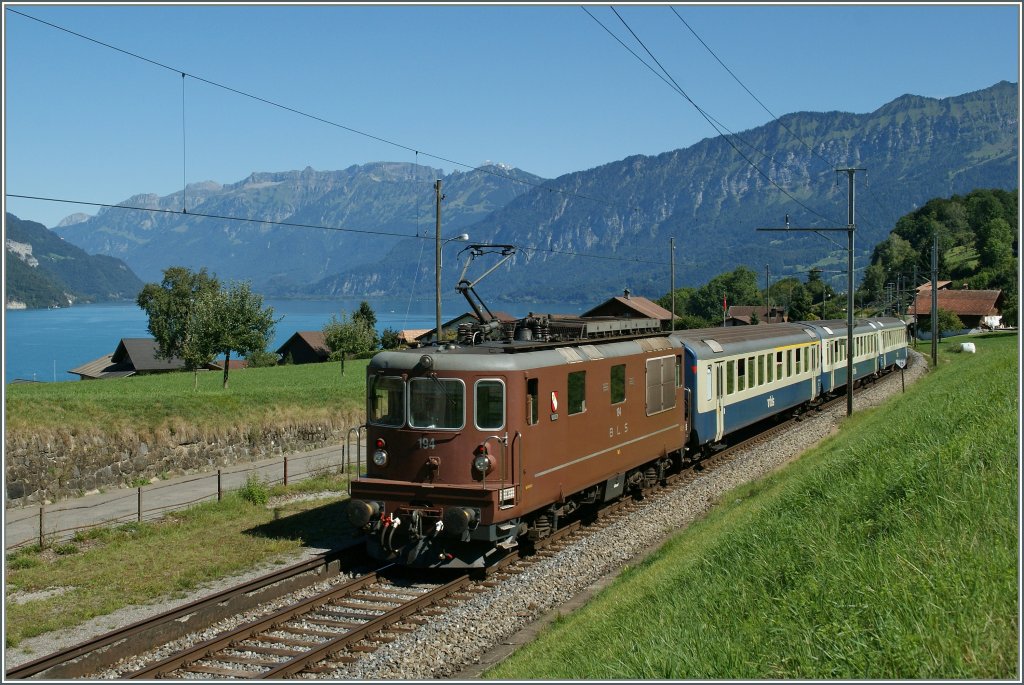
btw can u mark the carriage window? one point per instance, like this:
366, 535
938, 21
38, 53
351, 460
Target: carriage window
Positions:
532, 399
387, 400
761, 378
436, 403
770, 364
577, 392
778, 365
490, 404
741, 374
752, 382
618, 383
730, 374
807, 359
789, 363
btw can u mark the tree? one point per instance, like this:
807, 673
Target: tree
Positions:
236, 321
366, 314
348, 337
948, 322
389, 339
175, 317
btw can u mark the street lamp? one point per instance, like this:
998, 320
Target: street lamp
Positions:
462, 237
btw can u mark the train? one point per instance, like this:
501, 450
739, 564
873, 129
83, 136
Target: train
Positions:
488, 442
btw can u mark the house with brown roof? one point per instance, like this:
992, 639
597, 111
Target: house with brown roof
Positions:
976, 308
742, 315
305, 347
133, 356
631, 306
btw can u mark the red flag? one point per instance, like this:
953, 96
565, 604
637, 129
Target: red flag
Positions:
724, 307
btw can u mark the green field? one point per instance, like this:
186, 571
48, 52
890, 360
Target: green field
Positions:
888, 552
169, 402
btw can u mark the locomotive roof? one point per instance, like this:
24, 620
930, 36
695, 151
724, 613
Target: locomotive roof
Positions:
516, 356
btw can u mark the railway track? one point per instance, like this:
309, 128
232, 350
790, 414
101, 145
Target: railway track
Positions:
107, 649
322, 634
310, 636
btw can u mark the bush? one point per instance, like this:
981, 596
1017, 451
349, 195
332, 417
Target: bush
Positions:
262, 358
255, 491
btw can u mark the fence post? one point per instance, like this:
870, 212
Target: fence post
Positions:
218, 486
140, 504
40, 526
286, 471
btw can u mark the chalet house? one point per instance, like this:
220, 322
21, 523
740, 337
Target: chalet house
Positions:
410, 336
631, 306
133, 356
305, 347
741, 315
976, 308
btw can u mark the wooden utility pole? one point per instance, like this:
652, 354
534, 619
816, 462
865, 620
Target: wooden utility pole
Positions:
672, 285
437, 261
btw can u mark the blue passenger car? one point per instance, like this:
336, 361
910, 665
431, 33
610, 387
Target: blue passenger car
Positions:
737, 376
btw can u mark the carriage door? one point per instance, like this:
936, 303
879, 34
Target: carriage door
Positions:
719, 400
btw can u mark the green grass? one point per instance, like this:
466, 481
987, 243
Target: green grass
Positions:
169, 402
888, 552
105, 569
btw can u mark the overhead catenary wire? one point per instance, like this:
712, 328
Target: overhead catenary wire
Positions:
675, 86
471, 167
756, 99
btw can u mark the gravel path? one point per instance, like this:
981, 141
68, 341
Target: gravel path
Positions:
481, 631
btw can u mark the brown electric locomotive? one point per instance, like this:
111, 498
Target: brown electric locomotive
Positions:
475, 444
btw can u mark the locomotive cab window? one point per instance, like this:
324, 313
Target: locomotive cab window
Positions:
489, 404
387, 400
436, 403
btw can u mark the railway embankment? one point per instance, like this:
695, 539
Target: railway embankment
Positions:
65, 440
889, 551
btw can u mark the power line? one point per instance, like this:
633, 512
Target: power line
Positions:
706, 116
288, 224
319, 118
763, 106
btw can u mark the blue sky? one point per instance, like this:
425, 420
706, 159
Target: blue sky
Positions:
541, 87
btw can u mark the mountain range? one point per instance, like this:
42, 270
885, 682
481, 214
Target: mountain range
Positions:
44, 270
594, 231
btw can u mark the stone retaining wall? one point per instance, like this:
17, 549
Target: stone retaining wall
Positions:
48, 469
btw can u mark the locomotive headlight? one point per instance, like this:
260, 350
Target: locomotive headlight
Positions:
380, 458
482, 463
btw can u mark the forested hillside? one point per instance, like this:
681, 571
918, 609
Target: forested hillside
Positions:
977, 240
44, 270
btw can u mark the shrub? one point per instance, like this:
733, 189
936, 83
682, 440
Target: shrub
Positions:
255, 490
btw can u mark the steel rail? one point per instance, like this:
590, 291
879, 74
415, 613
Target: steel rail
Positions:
89, 656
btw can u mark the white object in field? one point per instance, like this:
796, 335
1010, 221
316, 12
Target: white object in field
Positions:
967, 347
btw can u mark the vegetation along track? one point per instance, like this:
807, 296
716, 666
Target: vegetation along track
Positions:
334, 628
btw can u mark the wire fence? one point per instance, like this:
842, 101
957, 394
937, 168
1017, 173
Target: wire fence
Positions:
48, 525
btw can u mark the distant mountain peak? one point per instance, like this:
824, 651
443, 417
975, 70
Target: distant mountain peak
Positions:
71, 219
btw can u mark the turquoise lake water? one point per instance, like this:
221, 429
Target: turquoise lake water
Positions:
43, 344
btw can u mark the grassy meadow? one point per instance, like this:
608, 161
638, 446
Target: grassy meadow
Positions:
890, 551
170, 402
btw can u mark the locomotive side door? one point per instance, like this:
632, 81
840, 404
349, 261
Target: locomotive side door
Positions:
719, 400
